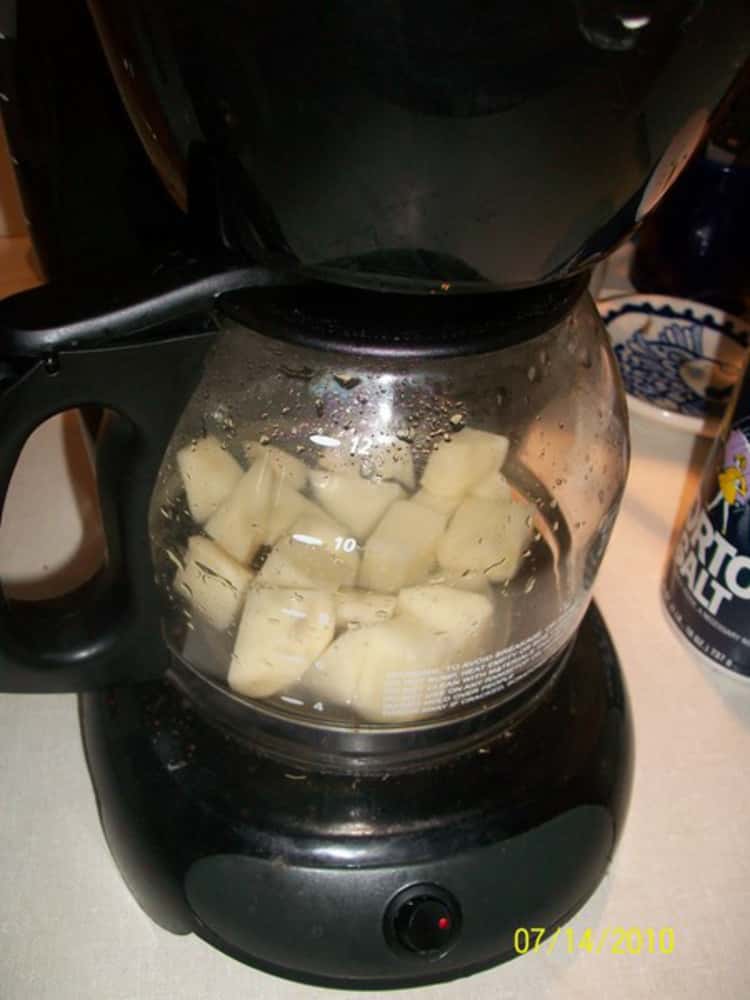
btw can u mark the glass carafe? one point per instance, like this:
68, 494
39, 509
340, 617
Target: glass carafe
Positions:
367, 534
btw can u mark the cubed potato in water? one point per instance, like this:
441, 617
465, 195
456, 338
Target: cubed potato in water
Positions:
486, 536
362, 607
477, 583
209, 474
443, 505
240, 524
213, 582
317, 552
464, 620
391, 672
402, 549
287, 506
380, 457
493, 487
288, 468
281, 632
456, 466
279, 571
389, 458
355, 502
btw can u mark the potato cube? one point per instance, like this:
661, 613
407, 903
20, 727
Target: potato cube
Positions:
391, 672
459, 464
240, 523
213, 582
477, 583
317, 553
357, 503
402, 549
493, 487
287, 506
463, 619
486, 536
280, 634
288, 468
380, 457
209, 474
391, 459
363, 607
443, 505
279, 571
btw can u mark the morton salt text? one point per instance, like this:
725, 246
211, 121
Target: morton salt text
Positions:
710, 566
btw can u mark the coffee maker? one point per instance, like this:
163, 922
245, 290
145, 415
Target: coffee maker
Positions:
348, 711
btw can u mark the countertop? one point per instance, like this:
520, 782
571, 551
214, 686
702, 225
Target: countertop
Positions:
70, 929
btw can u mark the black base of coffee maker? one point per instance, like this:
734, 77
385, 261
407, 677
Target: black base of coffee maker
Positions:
375, 879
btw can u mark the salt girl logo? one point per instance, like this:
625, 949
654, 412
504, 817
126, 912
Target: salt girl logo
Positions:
710, 556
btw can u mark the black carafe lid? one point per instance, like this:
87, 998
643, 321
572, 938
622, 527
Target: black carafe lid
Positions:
330, 317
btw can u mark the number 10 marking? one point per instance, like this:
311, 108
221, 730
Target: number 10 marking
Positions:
345, 544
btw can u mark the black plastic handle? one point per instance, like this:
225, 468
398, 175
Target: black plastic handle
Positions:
109, 630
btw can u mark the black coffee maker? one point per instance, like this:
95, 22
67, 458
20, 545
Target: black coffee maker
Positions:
347, 709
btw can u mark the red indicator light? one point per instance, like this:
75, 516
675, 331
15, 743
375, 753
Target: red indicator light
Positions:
443, 923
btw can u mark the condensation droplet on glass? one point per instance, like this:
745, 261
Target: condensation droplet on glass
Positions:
529, 585
170, 555
531, 373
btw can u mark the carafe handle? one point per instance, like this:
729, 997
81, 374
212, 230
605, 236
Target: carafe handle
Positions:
140, 361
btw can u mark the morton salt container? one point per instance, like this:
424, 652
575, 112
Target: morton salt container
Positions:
707, 587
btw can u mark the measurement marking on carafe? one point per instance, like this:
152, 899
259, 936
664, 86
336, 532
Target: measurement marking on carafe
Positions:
307, 539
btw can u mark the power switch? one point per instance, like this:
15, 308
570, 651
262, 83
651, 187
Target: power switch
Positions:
423, 920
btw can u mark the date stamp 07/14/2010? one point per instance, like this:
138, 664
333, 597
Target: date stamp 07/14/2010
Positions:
599, 941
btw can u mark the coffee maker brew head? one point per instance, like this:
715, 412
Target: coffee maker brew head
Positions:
451, 145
